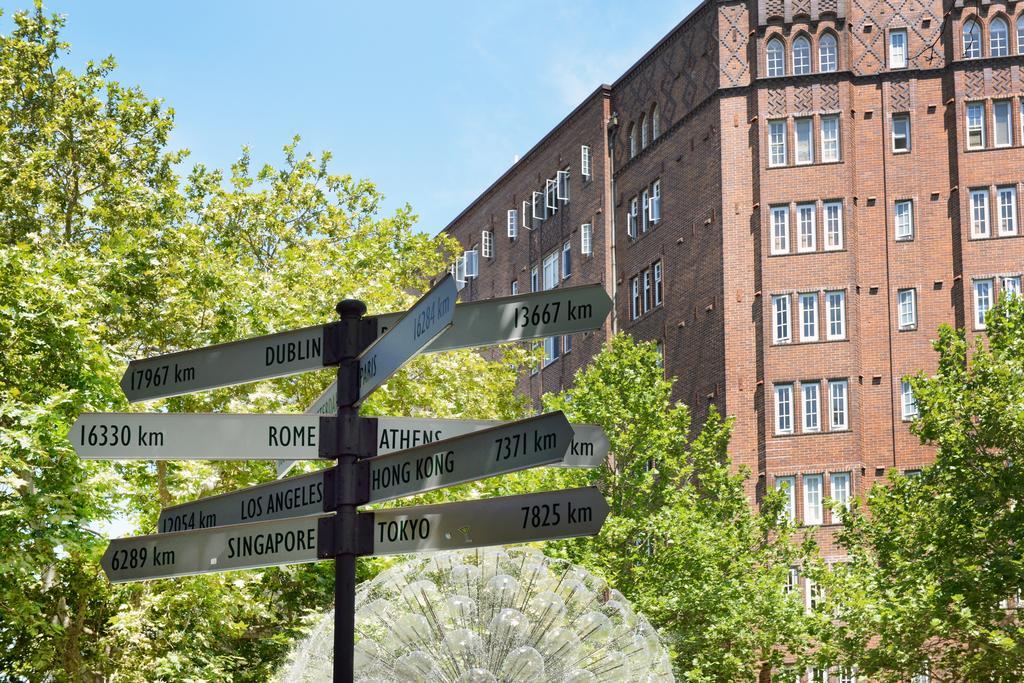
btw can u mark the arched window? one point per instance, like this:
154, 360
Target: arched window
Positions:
1020, 35
643, 131
776, 58
632, 141
998, 38
972, 39
827, 53
801, 56
655, 123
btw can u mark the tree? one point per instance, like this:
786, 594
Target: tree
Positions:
935, 571
681, 540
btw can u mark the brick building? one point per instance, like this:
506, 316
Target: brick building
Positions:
789, 196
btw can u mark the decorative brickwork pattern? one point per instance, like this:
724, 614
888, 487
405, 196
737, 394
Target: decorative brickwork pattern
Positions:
974, 83
777, 102
872, 20
899, 95
734, 45
803, 99
829, 97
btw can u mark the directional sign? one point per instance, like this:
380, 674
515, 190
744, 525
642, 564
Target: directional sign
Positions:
248, 360
325, 404
428, 318
494, 521
515, 446
243, 546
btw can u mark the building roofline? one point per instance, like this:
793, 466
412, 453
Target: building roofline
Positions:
601, 90
668, 36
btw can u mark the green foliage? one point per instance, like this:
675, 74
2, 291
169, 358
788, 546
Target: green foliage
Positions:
682, 541
936, 559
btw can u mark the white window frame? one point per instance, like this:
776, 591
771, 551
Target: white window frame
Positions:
813, 499
587, 239
552, 350
903, 217
830, 137
971, 39
1020, 36
537, 210
471, 259
655, 123
974, 121
781, 323
780, 229
775, 58
801, 56
809, 317
487, 244
458, 270
659, 292
811, 407
833, 212
566, 260
549, 270
980, 224
792, 576
804, 140
907, 308
585, 161
534, 279
806, 228
839, 405
645, 208
1006, 199
512, 224
514, 287
633, 217
1010, 285
839, 491
828, 53
983, 299
646, 275
551, 196
908, 404
562, 185
835, 307
778, 155
632, 141
815, 595
998, 38
901, 132
784, 409
1002, 109
634, 297
656, 201
789, 511
898, 41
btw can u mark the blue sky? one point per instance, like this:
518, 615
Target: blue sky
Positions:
430, 100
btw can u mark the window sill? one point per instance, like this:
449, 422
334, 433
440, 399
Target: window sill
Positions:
898, 152
993, 238
804, 165
900, 240
809, 342
910, 328
795, 435
805, 253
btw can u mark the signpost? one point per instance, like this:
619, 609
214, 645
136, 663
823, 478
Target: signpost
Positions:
315, 516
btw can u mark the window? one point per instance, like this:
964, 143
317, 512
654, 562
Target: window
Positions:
659, 347
792, 576
812, 423
585, 161
537, 210
566, 260
658, 291
776, 143
551, 270
827, 53
835, 302
921, 678
647, 290
815, 595
780, 230
1007, 210
632, 217
805, 227
840, 492
830, 138
979, 213
458, 270
634, 293
471, 259
788, 484
566, 343
900, 133
972, 39
1020, 35
512, 224
784, 409
645, 201
587, 239
809, 317
838, 414
552, 350
780, 316
655, 123
908, 308
526, 215
801, 56
551, 197
909, 405
998, 38
812, 499
632, 141
643, 131
776, 58
487, 244
833, 226
562, 186
975, 125
656, 201
514, 288
1011, 285
534, 280
982, 302
898, 49
816, 675
904, 220
1002, 117
804, 140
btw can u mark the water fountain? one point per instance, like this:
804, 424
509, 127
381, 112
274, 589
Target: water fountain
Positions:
489, 615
